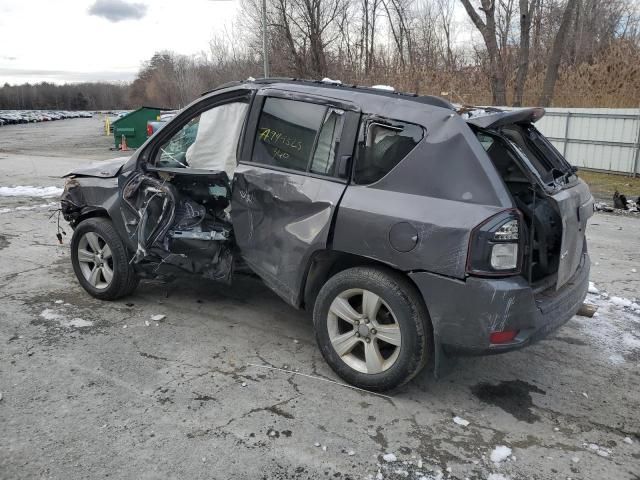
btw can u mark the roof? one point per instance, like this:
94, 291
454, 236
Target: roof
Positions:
340, 90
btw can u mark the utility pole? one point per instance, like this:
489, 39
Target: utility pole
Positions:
265, 54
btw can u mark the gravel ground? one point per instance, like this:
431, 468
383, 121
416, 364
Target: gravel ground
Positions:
218, 388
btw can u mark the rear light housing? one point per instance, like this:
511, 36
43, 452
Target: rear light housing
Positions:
496, 245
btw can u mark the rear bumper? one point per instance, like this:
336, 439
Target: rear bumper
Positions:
465, 313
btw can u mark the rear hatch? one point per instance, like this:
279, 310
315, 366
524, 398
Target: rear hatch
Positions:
557, 180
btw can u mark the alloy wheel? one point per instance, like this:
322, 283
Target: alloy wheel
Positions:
95, 260
364, 331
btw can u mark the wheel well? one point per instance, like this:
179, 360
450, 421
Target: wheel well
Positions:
91, 212
326, 263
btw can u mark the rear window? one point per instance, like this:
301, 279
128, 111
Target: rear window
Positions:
530, 144
382, 148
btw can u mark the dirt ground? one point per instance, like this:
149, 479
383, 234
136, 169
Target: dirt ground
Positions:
603, 185
230, 383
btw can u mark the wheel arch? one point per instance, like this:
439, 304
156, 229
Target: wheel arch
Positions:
324, 264
91, 212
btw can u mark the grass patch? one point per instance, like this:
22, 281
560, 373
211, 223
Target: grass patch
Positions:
603, 185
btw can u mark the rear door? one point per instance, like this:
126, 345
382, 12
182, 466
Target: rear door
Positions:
287, 186
570, 194
575, 205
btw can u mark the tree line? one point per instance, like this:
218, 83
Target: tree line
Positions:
80, 96
501, 52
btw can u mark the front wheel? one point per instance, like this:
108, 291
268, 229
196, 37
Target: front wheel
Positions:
372, 328
100, 260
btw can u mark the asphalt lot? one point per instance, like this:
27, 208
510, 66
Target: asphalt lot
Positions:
215, 389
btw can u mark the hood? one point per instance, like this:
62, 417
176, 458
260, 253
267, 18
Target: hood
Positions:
102, 169
493, 117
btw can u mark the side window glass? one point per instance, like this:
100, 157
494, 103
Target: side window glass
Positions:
208, 141
384, 145
328, 143
486, 140
173, 152
286, 133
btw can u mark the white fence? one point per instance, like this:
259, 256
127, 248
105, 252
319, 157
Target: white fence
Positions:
596, 138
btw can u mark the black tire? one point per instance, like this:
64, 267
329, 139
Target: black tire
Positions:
124, 280
409, 313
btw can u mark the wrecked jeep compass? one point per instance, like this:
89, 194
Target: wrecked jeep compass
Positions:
410, 229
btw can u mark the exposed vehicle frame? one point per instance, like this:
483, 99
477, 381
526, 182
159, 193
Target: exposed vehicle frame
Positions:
466, 236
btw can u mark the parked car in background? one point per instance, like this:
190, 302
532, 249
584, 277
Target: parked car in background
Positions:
154, 125
409, 231
12, 117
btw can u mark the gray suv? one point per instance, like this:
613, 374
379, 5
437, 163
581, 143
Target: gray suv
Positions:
411, 229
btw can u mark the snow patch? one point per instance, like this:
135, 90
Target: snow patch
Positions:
29, 191
500, 454
52, 315
389, 457
5, 210
621, 301
612, 332
333, 82
76, 323
387, 88
460, 421
157, 318
49, 314
497, 476
616, 359
592, 288
601, 451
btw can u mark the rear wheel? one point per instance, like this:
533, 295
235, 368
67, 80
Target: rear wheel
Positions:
100, 260
372, 328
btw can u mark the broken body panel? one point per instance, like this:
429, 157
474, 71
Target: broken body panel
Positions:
418, 218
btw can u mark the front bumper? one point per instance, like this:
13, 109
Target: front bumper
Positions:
465, 313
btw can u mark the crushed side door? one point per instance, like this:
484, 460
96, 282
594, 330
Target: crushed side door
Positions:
177, 199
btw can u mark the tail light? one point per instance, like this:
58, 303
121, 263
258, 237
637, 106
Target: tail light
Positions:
495, 247
149, 130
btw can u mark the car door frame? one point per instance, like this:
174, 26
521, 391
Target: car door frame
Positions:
294, 292
149, 150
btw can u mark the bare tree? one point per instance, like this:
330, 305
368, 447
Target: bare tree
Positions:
487, 28
444, 14
556, 55
527, 10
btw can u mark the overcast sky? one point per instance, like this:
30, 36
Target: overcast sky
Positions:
78, 40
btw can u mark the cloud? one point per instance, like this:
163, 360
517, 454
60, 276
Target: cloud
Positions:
118, 10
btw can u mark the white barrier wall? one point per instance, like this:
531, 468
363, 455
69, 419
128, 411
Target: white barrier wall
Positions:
598, 138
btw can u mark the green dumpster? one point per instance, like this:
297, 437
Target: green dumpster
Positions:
134, 126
